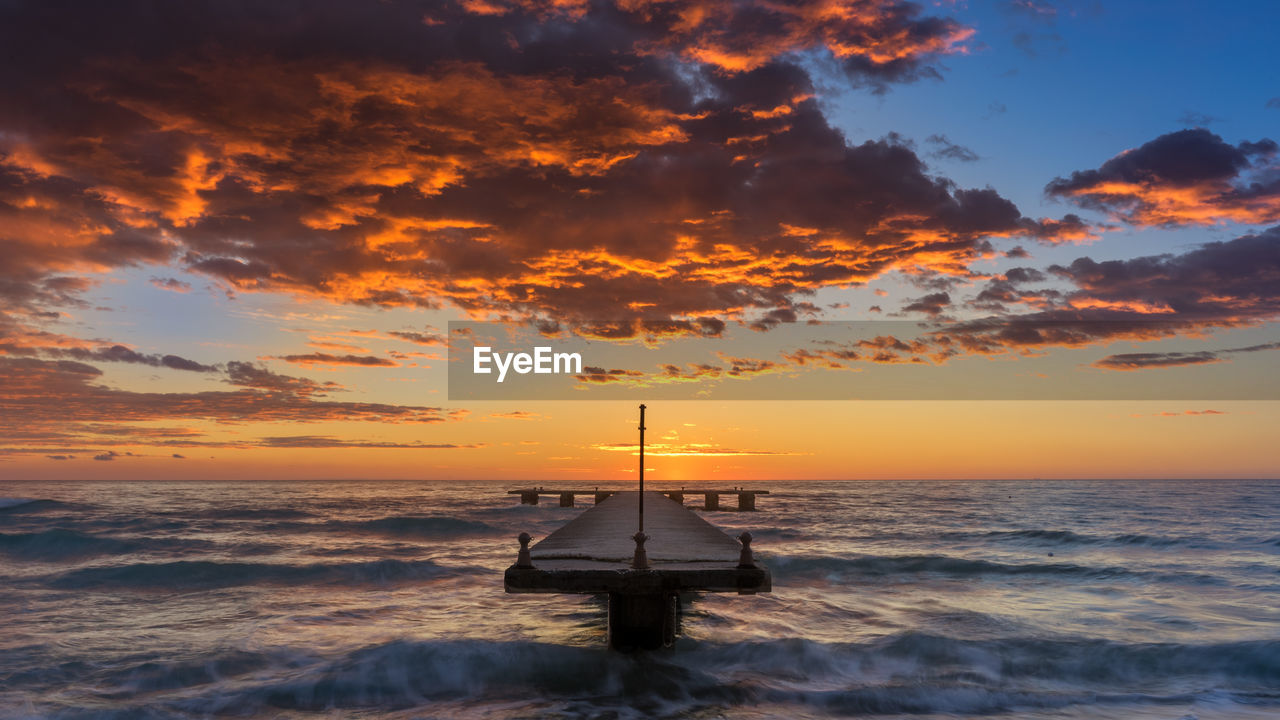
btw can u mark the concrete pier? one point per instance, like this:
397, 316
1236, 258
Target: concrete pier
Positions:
594, 552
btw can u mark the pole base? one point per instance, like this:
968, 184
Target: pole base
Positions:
642, 621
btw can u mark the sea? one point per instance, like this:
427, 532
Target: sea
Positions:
891, 599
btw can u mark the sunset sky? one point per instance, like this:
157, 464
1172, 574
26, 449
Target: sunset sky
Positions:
233, 234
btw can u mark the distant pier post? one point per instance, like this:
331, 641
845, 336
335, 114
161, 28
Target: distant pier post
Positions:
746, 501
711, 501
529, 498
566, 499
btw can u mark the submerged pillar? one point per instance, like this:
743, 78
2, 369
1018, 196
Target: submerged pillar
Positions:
566, 499
642, 621
746, 501
529, 497
711, 501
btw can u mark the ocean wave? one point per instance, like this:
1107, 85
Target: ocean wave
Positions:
248, 513
1068, 537
13, 506
907, 673
203, 574
905, 565
404, 674
421, 526
62, 544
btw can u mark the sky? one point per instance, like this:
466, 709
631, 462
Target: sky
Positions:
234, 235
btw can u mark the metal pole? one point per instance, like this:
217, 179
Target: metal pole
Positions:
642, 468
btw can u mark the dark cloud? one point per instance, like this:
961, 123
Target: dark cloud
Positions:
421, 338
663, 160
1141, 361
1228, 281
1189, 177
1000, 293
172, 284
1070, 229
932, 304
1217, 285
116, 353
43, 395
328, 359
249, 375
946, 150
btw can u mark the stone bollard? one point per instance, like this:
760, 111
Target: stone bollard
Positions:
746, 560
641, 559
523, 561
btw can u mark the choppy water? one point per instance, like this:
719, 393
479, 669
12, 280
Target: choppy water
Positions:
384, 600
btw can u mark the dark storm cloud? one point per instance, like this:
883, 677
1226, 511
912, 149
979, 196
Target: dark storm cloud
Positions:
651, 160
1189, 177
1235, 279
1217, 285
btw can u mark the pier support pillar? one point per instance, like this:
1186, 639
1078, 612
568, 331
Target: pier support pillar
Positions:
746, 501
677, 496
711, 502
529, 498
642, 621
566, 499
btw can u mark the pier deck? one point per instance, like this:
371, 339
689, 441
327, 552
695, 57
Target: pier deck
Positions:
593, 554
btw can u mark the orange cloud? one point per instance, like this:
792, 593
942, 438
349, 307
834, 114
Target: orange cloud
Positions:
1190, 177
418, 171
